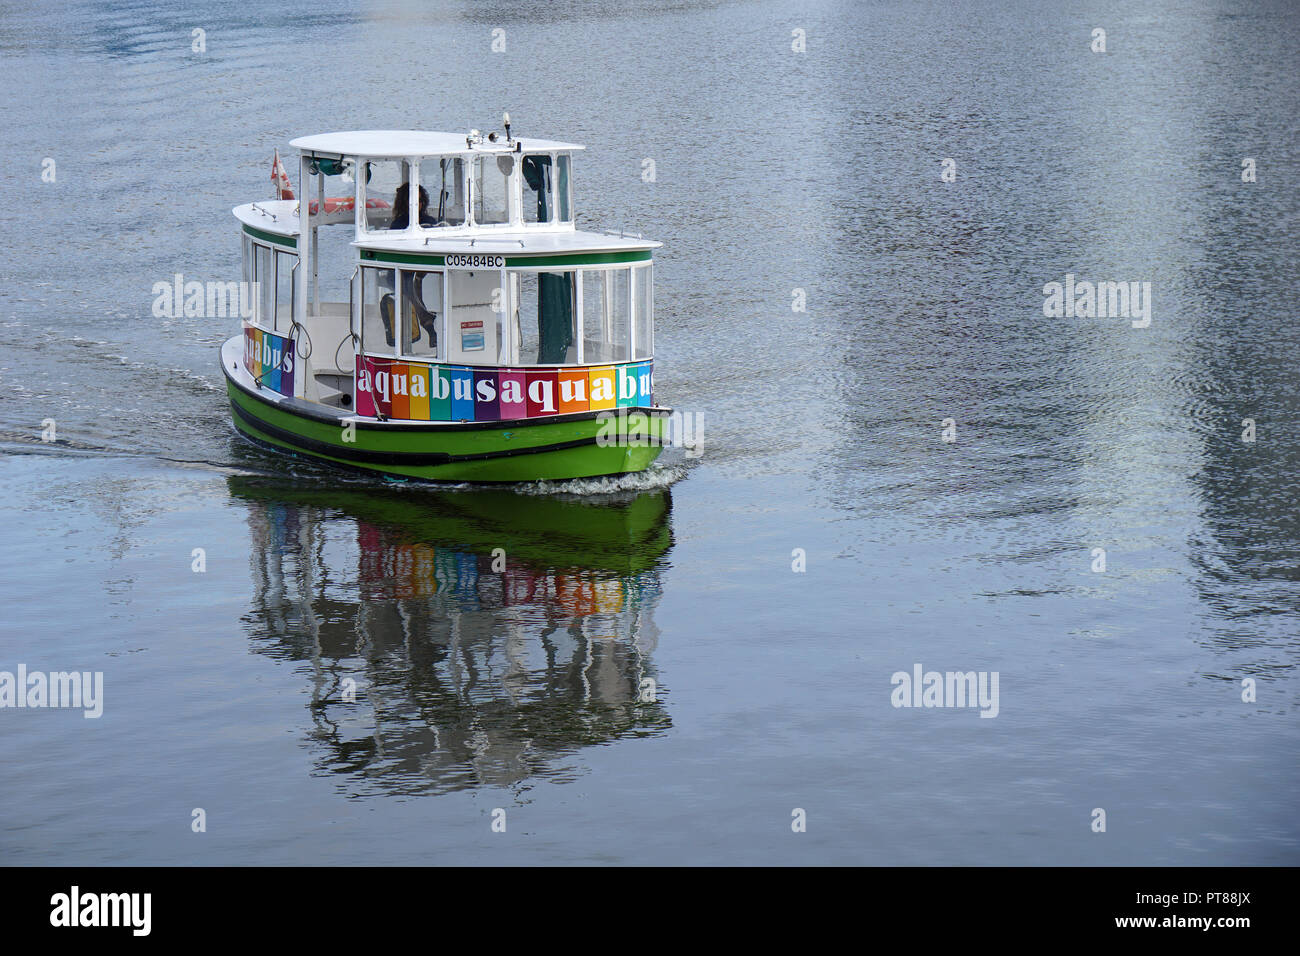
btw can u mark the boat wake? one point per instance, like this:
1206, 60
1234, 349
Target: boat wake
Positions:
657, 476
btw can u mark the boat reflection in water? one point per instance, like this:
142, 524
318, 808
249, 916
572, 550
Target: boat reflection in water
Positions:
459, 639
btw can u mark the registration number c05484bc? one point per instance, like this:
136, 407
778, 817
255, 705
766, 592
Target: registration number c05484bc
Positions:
474, 261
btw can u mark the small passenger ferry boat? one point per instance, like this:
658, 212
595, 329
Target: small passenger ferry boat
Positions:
462, 329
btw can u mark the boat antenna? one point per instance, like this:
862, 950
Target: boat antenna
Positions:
505, 118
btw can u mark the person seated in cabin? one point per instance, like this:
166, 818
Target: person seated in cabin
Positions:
422, 315
402, 208
411, 282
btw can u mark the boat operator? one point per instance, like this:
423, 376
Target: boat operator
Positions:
411, 281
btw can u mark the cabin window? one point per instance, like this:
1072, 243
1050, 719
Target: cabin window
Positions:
643, 312
388, 205
475, 326
335, 182
284, 262
444, 180
378, 308
491, 188
606, 315
544, 318
564, 206
265, 285
247, 275
422, 332
539, 188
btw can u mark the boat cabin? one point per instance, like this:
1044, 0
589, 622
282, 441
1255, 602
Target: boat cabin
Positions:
438, 277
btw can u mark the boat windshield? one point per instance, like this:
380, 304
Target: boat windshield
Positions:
546, 188
444, 180
335, 182
492, 188
387, 202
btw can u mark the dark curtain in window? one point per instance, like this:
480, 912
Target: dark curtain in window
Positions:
537, 173
554, 316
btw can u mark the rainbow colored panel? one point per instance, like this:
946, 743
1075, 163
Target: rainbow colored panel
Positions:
462, 394
602, 388
365, 398
400, 386
542, 394
573, 385
487, 405
512, 394
269, 358
375, 386
418, 383
440, 393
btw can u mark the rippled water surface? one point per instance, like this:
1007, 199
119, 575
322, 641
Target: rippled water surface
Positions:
355, 678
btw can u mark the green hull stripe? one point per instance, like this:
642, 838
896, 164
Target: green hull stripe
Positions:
518, 262
402, 457
430, 260
579, 259
289, 241
504, 472
587, 461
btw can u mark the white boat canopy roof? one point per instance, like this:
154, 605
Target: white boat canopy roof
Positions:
400, 144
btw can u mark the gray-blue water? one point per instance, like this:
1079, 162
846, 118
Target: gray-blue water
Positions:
353, 680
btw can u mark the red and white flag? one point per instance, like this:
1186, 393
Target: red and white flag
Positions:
283, 190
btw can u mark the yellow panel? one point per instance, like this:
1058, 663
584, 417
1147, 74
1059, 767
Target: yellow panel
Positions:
602, 388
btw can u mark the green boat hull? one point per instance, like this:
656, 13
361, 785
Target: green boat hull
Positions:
551, 449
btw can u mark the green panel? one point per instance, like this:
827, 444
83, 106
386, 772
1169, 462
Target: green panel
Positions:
371, 255
439, 393
578, 259
271, 237
517, 262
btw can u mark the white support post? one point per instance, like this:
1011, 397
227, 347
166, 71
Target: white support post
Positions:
471, 189
315, 245
631, 304
650, 310
553, 200
506, 345
399, 312
515, 191
578, 275
295, 291
306, 254
444, 324
356, 315
413, 177
359, 186
607, 299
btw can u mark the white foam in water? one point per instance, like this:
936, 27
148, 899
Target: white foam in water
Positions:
655, 477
